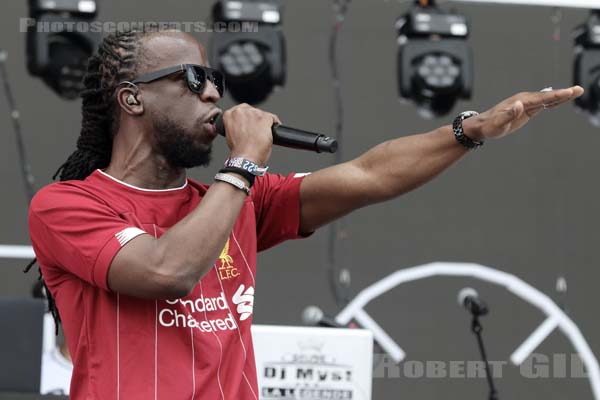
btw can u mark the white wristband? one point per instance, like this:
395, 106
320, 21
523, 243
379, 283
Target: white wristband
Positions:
232, 180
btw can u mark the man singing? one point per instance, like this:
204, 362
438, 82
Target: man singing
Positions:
154, 273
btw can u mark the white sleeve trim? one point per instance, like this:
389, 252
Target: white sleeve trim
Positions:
301, 174
127, 234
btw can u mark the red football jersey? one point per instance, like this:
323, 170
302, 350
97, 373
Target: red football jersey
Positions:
196, 347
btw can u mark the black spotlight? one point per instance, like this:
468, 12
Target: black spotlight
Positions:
435, 65
587, 66
249, 48
60, 39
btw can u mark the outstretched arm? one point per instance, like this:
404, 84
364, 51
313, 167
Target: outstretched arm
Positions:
398, 166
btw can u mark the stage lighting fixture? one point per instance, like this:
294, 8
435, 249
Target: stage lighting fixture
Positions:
435, 65
587, 66
250, 49
59, 42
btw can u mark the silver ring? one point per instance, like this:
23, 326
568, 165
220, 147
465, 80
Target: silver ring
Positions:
545, 106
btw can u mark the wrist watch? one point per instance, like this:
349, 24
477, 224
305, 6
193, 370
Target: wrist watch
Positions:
247, 165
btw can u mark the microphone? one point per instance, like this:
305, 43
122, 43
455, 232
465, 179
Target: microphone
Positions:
313, 315
293, 138
469, 299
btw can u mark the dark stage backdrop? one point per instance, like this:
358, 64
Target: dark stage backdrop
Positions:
528, 204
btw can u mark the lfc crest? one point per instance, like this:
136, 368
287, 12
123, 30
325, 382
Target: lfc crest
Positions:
227, 270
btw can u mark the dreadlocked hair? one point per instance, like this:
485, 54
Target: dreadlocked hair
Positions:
117, 60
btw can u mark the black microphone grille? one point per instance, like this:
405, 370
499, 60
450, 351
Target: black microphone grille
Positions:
464, 293
312, 315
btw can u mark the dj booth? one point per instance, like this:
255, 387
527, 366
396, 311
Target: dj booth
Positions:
313, 363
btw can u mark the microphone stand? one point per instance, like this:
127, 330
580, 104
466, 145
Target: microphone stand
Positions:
339, 277
476, 328
27, 176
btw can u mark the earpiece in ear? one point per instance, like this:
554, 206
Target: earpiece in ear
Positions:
131, 100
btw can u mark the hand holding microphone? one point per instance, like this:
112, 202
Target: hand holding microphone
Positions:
284, 135
248, 129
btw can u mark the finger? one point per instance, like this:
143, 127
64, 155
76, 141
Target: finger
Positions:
243, 105
533, 101
553, 97
276, 119
550, 106
577, 91
536, 100
532, 112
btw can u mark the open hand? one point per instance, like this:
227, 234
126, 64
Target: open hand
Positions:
514, 112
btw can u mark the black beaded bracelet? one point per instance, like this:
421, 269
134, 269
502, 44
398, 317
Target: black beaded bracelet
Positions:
459, 133
240, 171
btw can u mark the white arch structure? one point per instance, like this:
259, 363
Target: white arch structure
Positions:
555, 317
589, 4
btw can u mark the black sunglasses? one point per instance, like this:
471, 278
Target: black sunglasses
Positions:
195, 75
